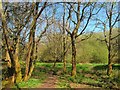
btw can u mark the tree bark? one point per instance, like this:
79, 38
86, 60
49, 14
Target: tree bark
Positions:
32, 58
73, 55
64, 60
11, 70
64, 43
28, 57
64, 54
109, 71
31, 47
18, 74
27, 63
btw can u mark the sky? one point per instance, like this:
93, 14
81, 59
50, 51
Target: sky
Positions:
91, 26
101, 15
59, 14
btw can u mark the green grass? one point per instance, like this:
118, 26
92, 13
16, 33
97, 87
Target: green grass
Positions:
89, 74
38, 76
31, 83
63, 83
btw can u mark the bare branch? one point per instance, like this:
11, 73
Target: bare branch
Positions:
83, 10
85, 26
115, 36
88, 36
116, 20
45, 4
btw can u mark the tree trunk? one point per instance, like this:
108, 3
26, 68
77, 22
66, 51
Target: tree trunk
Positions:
64, 58
11, 70
30, 53
109, 71
32, 58
64, 43
31, 45
73, 55
54, 64
18, 74
28, 61
36, 51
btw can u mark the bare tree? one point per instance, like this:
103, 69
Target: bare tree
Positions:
108, 27
64, 42
82, 12
12, 25
31, 44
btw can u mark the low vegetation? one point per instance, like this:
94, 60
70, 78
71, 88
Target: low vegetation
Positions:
93, 75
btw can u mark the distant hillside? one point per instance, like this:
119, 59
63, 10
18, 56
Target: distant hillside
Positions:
91, 50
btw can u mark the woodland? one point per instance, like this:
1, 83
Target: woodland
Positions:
59, 45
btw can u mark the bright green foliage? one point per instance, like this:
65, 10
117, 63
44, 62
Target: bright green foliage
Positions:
31, 83
89, 74
92, 50
88, 51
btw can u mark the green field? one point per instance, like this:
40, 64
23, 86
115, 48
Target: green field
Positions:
93, 75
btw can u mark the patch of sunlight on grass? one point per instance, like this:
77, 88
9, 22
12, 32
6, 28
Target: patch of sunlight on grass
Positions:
31, 83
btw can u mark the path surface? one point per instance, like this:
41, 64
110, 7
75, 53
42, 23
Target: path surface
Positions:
50, 82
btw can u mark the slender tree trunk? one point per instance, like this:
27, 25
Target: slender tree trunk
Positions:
31, 45
64, 58
28, 56
64, 43
55, 58
109, 71
54, 64
18, 74
32, 58
36, 51
30, 53
73, 56
64, 63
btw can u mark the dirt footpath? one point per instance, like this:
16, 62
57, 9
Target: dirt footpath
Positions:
50, 82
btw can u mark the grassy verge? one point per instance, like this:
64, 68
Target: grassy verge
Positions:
87, 74
38, 76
